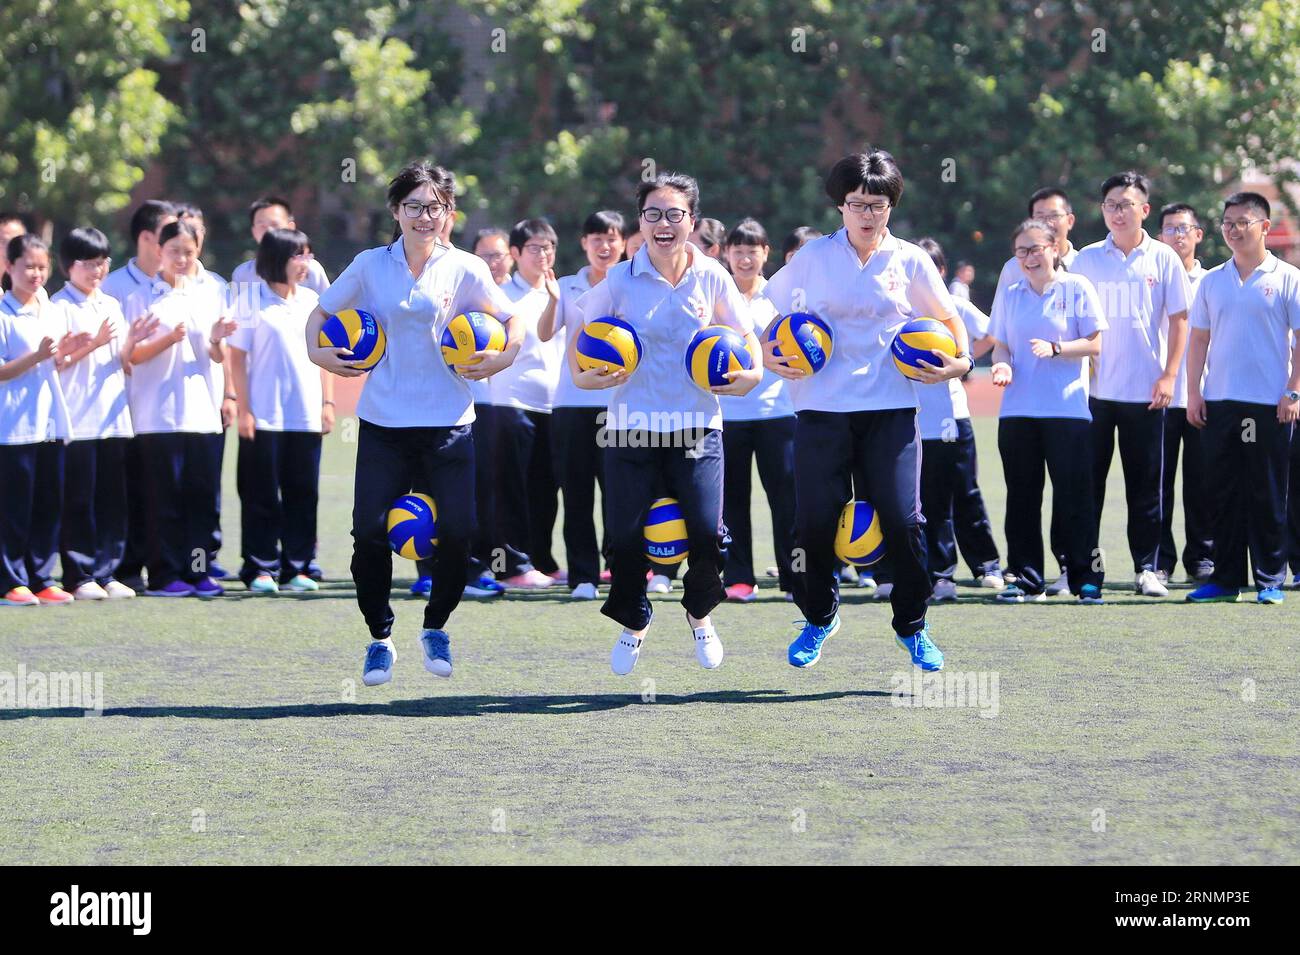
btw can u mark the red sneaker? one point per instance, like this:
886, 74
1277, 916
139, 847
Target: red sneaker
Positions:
741, 593
21, 597
54, 595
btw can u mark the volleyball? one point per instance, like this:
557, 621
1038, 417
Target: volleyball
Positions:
805, 339
916, 340
471, 332
665, 532
859, 540
713, 352
413, 526
609, 343
357, 331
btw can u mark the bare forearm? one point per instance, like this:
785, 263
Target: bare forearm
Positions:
1177, 344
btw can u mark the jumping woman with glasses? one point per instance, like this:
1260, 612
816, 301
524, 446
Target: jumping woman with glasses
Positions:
1045, 326
415, 411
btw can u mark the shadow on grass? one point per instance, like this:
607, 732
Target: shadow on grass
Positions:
449, 706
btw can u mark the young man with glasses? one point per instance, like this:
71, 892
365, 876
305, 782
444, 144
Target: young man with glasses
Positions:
526, 491
1181, 230
1145, 295
1246, 341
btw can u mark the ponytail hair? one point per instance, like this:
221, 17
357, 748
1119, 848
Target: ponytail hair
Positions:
19, 246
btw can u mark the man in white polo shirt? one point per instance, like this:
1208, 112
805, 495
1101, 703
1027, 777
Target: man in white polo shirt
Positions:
1181, 230
1244, 324
1144, 292
264, 214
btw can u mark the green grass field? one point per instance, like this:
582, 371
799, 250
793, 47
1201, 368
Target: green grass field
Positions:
237, 731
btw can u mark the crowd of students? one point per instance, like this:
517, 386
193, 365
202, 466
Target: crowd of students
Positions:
117, 390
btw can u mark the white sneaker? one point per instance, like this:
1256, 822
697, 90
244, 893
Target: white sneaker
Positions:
1012, 594
378, 668
90, 590
867, 582
883, 591
1149, 585
992, 581
708, 648
1061, 586
583, 592
625, 653
436, 646
116, 590
944, 590
659, 584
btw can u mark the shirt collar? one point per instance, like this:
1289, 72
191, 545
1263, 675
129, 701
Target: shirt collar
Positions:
137, 274
888, 243
11, 305
1142, 246
397, 249
77, 296
641, 264
519, 282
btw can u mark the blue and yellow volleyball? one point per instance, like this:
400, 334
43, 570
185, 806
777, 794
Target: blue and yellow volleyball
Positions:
916, 342
413, 526
357, 331
471, 332
609, 343
858, 539
713, 352
805, 339
665, 532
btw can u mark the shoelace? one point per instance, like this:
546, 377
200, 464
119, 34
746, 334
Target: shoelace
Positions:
373, 658
439, 644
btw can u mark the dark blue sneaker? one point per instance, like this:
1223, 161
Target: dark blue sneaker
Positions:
922, 651
217, 572
177, 588
207, 587
422, 587
1212, 594
437, 652
1090, 594
485, 586
1270, 595
378, 667
807, 647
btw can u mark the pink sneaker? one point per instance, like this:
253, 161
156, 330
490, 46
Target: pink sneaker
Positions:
606, 577
532, 580
741, 593
560, 576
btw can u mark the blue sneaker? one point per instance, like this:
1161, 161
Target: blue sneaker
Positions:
378, 667
922, 650
1211, 594
1090, 594
485, 586
1270, 595
807, 647
422, 587
437, 652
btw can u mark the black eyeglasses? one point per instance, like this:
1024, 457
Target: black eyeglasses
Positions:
651, 214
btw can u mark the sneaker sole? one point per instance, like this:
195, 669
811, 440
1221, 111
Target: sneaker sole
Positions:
428, 665
1214, 600
386, 676
163, 593
15, 603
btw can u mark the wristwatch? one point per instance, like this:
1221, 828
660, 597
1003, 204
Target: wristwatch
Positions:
969, 359
1056, 349
1292, 395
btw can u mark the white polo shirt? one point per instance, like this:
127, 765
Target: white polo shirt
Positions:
179, 389
412, 387
530, 381
865, 306
769, 399
940, 405
1012, 272
959, 290
246, 273
1180, 384
568, 322
95, 387
659, 395
1250, 325
122, 283
32, 406
284, 387
1047, 387
1138, 293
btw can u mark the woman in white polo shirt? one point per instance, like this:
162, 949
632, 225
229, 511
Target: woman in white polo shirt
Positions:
857, 416
415, 411
34, 425
176, 380
93, 541
285, 405
1045, 327
662, 430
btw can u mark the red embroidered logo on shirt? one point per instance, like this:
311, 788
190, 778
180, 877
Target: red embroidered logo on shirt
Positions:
700, 311
1151, 281
446, 301
1267, 290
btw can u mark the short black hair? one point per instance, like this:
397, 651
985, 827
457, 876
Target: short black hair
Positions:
961, 264
491, 232
606, 220
1129, 179
526, 229
747, 232
712, 231
188, 210
266, 202
180, 227
1174, 208
798, 238
873, 171
935, 251
1251, 200
679, 181
8, 216
82, 245
1048, 192
275, 250
147, 215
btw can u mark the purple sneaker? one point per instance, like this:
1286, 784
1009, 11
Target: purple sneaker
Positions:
177, 588
207, 587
